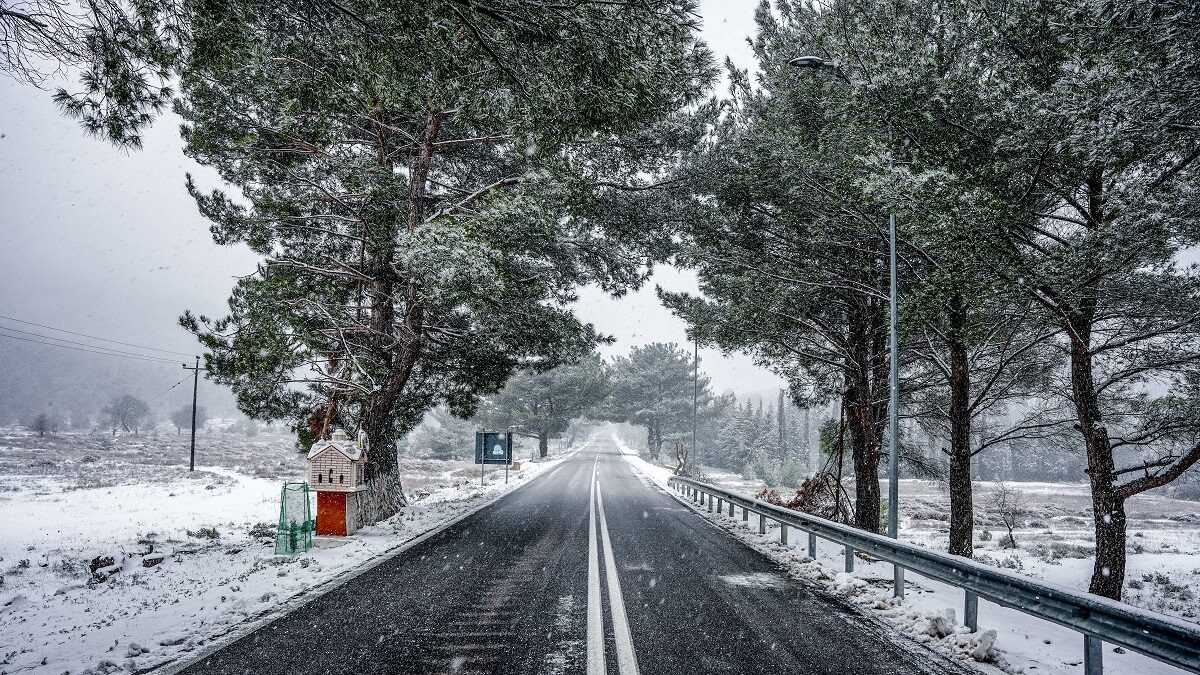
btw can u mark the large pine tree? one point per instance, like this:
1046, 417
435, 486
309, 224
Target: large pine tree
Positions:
428, 184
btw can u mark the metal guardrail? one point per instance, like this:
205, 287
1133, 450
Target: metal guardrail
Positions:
1099, 619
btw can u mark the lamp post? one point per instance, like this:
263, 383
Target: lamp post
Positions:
818, 63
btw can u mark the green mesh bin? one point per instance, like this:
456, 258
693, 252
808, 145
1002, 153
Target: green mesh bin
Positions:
295, 531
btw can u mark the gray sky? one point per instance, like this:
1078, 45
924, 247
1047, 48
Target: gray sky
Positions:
107, 243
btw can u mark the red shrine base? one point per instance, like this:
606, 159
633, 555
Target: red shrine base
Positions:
337, 513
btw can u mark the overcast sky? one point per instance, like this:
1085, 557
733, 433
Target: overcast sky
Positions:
101, 242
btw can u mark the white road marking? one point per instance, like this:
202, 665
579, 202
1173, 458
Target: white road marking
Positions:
626, 658
595, 615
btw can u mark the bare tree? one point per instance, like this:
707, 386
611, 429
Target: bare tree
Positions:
128, 413
41, 424
1009, 504
182, 418
681, 456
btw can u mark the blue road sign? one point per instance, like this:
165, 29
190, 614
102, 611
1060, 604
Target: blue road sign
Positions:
493, 447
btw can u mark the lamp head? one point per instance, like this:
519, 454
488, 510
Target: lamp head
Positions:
813, 62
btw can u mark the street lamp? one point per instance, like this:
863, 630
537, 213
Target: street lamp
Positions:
812, 62
817, 63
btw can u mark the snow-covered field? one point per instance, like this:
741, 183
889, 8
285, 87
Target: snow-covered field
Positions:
1054, 544
192, 554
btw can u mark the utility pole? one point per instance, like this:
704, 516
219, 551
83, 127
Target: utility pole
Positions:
894, 386
195, 390
695, 400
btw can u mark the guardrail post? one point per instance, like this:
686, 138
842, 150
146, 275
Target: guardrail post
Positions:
812, 545
745, 515
702, 497
710, 504
730, 509
849, 559
897, 581
1093, 656
971, 612
783, 533
762, 523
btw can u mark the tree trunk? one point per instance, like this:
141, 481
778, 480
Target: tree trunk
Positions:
962, 511
864, 440
384, 495
656, 450
1108, 507
543, 444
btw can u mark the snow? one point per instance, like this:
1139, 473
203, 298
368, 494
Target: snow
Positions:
348, 448
1008, 640
56, 617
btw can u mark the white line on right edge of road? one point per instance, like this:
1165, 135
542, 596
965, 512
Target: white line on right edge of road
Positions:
626, 657
595, 616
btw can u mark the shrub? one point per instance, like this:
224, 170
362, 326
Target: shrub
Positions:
205, 533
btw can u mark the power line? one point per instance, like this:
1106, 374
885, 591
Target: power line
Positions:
92, 337
84, 344
152, 359
169, 389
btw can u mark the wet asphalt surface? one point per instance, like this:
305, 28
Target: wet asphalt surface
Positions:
506, 591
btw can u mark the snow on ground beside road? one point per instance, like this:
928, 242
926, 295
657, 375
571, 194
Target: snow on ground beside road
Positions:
931, 611
56, 618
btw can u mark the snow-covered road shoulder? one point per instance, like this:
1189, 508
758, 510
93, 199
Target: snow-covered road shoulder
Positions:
179, 565
1008, 641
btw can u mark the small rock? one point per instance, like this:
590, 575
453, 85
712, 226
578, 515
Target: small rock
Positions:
152, 560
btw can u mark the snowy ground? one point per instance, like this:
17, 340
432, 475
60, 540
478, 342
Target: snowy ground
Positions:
1054, 545
67, 500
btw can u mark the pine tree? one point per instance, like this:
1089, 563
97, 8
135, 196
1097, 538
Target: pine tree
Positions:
125, 54
653, 388
428, 186
1049, 118
543, 405
787, 245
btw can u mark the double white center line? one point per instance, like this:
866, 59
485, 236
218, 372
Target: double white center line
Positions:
626, 658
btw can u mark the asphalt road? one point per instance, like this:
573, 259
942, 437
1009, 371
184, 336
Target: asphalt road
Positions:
573, 575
